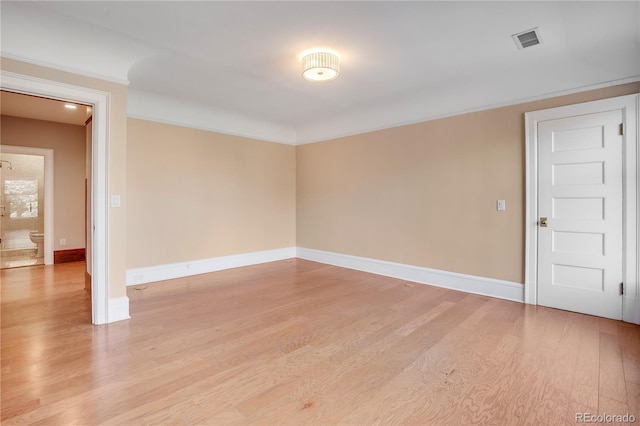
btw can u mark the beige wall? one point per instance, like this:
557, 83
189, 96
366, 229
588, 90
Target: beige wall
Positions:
425, 194
68, 144
195, 194
117, 159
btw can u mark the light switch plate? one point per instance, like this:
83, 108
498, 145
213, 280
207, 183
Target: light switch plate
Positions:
501, 205
115, 200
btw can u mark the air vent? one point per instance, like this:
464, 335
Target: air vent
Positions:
527, 38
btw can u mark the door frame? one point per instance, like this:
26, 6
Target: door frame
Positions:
100, 101
630, 107
48, 192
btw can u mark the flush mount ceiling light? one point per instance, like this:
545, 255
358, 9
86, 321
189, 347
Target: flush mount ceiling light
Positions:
320, 65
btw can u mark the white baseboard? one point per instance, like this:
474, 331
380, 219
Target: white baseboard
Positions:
118, 309
196, 267
508, 290
468, 283
631, 309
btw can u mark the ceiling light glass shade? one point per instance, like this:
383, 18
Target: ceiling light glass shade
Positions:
320, 66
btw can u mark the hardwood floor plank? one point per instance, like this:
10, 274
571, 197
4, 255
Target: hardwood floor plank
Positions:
630, 347
360, 341
444, 366
633, 393
612, 381
611, 407
585, 386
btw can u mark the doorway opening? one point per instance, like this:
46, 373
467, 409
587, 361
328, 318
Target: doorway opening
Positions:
26, 200
99, 101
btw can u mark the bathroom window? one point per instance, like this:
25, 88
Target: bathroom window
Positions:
22, 198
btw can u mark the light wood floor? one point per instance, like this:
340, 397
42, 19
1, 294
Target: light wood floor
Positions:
297, 342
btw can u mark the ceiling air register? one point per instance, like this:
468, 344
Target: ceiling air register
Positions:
527, 38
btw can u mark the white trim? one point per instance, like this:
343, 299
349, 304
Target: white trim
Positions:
162, 109
452, 280
631, 187
144, 106
382, 117
531, 209
100, 209
631, 299
631, 309
170, 271
100, 170
119, 309
58, 67
156, 108
206, 126
49, 229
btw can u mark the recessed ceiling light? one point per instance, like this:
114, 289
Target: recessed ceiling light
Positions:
70, 106
320, 65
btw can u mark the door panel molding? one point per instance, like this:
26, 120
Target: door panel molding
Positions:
629, 105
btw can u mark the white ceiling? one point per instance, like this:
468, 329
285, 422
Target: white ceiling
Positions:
234, 66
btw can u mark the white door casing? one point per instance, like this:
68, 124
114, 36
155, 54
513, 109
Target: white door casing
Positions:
590, 197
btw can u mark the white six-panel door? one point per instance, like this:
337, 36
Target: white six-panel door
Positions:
580, 246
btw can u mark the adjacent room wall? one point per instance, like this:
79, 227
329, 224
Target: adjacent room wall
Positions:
195, 194
68, 144
425, 194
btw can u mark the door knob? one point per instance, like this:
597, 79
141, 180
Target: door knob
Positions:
543, 222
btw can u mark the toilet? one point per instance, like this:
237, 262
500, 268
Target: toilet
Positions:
38, 238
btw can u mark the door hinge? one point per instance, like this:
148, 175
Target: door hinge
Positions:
621, 129
621, 288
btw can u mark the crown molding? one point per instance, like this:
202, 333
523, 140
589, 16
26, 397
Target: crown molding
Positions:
387, 117
163, 109
59, 67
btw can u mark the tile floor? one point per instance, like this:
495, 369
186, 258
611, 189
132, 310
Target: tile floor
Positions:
16, 258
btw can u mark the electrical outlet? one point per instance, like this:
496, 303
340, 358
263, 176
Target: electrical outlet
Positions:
63, 242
